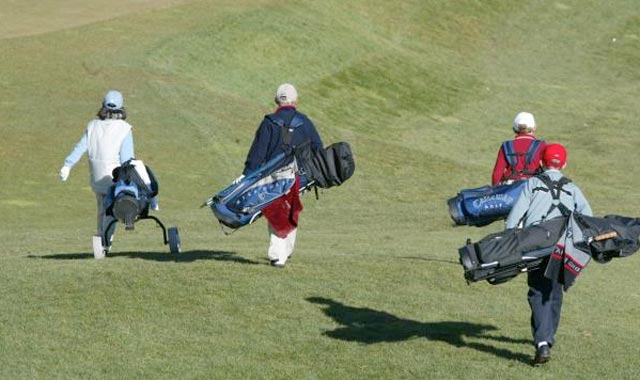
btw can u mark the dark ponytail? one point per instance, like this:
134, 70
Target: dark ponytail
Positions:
106, 113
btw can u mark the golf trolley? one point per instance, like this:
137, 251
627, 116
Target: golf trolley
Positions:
128, 202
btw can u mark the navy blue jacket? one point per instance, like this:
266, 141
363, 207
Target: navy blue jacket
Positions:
268, 141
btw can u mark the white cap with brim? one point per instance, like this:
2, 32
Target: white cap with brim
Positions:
286, 94
524, 122
113, 100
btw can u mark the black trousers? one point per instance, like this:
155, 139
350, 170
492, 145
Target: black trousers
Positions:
545, 300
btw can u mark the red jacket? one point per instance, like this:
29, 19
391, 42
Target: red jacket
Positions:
502, 170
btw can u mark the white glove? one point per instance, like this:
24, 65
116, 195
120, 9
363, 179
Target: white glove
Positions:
64, 172
237, 180
154, 204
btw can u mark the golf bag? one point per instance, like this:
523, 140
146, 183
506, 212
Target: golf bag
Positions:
128, 201
484, 205
501, 256
242, 203
130, 195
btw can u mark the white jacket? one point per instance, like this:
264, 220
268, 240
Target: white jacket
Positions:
104, 139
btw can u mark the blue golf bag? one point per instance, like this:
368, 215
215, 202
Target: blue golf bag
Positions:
484, 205
129, 198
241, 203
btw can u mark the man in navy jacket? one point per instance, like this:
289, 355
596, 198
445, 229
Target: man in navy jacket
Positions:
281, 132
269, 139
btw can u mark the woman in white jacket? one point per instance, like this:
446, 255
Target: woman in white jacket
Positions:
108, 142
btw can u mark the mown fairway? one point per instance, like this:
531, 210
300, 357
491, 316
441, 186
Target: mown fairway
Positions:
423, 90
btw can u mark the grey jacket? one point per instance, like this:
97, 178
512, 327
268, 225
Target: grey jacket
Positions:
532, 207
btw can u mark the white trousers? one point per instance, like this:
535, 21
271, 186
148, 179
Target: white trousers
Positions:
103, 219
281, 248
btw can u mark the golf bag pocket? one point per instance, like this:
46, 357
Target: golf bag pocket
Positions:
326, 167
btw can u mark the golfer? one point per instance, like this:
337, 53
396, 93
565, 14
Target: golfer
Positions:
519, 158
537, 203
281, 132
108, 142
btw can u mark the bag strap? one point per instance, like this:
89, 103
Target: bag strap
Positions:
286, 129
555, 188
512, 157
510, 154
531, 152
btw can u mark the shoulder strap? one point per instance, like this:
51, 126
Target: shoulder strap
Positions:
510, 154
512, 157
531, 152
286, 129
555, 188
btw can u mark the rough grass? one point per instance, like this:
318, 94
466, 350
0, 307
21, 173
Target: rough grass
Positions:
424, 90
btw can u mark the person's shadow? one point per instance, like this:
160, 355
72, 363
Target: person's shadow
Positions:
187, 256
369, 326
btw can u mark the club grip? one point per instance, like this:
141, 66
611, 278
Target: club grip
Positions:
605, 236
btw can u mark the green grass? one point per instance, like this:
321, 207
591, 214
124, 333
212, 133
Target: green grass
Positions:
423, 90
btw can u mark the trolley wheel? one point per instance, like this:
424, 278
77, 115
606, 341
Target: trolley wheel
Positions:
174, 239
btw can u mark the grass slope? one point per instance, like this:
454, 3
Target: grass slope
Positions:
424, 90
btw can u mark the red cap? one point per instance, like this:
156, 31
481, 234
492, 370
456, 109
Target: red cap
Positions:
554, 156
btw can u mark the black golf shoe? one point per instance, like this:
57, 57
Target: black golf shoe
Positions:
543, 354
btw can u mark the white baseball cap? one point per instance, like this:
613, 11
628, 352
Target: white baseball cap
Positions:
286, 94
524, 122
113, 100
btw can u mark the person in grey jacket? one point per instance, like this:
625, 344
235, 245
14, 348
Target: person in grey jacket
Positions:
544, 197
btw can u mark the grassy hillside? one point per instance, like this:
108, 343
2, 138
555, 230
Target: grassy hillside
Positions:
423, 90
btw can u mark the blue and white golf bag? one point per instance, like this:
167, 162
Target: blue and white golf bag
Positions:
241, 203
484, 205
130, 195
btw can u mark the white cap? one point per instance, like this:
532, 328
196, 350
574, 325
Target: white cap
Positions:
113, 100
524, 122
286, 94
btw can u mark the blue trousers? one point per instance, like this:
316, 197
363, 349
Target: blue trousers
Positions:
545, 300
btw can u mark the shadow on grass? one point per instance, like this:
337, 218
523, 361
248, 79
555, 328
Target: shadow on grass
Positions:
370, 326
187, 256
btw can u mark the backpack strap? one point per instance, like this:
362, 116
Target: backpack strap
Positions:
512, 157
555, 188
510, 154
286, 128
531, 152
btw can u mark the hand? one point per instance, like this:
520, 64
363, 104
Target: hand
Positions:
64, 172
237, 180
154, 204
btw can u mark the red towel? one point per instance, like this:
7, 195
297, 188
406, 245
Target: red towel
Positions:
282, 214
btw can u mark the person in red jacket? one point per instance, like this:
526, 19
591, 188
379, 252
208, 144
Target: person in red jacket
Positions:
519, 158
